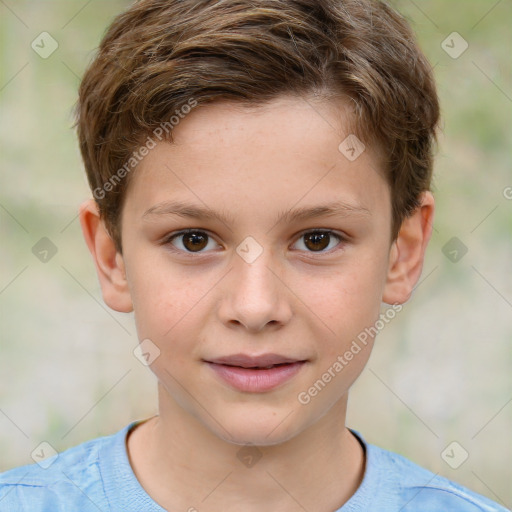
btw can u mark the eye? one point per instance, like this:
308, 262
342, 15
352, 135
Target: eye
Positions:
317, 240
193, 240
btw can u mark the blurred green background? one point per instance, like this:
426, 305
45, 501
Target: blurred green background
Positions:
440, 372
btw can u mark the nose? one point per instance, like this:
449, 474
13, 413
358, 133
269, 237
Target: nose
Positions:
255, 296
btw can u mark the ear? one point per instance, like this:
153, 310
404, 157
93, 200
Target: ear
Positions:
408, 252
109, 263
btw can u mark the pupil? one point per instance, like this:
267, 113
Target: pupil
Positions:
198, 241
322, 238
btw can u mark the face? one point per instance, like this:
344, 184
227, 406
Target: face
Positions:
254, 284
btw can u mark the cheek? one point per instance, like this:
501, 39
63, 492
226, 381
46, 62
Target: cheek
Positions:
347, 299
163, 292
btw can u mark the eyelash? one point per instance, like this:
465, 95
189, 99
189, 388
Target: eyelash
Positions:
167, 241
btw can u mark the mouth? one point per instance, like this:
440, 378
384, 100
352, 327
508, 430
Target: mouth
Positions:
262, 361
255, 374
259, 367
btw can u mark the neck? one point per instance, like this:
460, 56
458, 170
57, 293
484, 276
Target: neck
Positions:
182, 465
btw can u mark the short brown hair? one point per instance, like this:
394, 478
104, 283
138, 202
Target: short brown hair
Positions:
159, 54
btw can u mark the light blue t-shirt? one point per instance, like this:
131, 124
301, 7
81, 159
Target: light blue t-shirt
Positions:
96, 476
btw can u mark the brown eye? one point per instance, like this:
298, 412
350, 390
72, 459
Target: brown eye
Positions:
318, 241
195, 241
191, 241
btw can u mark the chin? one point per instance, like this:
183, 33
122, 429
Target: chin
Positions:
253, 437
257, 428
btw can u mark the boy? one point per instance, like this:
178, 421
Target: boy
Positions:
260, 172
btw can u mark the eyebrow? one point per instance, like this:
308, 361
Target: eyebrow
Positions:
189, 210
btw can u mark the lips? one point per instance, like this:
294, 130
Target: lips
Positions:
256, 362
255, 374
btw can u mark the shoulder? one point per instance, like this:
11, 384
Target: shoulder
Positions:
71, 478
401, 484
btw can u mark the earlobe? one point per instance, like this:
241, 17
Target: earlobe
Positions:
407, 252
109, 263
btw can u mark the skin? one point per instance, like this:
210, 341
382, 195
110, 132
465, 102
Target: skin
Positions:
297, 299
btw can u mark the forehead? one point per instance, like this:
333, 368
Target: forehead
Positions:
290, 152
